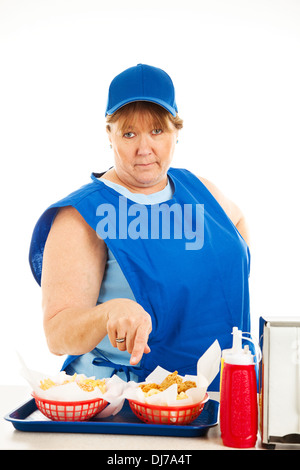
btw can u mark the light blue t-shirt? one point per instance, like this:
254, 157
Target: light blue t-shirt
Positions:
115, 285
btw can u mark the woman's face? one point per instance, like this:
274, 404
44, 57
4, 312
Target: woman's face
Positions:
142, 153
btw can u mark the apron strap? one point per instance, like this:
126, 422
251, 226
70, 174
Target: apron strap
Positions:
103, 361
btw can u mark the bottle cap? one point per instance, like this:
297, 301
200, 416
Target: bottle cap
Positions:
238, 355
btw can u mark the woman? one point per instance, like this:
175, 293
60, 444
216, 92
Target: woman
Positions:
146, 265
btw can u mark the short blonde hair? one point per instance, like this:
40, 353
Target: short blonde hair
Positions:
161, 118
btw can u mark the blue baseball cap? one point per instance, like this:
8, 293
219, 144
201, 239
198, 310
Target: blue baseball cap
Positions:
141, 83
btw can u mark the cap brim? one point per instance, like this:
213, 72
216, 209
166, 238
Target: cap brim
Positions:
161, 103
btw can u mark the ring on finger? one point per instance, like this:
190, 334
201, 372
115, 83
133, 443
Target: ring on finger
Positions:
120, 340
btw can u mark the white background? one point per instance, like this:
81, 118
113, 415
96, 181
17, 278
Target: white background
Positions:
235, 65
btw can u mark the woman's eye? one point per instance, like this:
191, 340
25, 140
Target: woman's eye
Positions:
129, 135
157, 131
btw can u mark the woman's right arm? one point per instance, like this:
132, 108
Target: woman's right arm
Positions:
73, 268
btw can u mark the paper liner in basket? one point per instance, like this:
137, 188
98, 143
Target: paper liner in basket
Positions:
71, 392
207, 368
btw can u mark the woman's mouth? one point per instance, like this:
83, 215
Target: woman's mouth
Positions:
145, 165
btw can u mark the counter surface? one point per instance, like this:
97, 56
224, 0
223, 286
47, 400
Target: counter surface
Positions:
12, 396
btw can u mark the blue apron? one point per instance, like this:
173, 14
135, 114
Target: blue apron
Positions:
194, 296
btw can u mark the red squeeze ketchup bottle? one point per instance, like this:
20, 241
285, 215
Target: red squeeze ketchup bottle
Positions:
238, 396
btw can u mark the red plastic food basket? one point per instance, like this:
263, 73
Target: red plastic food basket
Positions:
167, 414
69, 411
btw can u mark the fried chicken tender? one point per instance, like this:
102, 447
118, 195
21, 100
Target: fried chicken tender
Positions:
147, 387
171, 379
181, 396
184, 386
152, 391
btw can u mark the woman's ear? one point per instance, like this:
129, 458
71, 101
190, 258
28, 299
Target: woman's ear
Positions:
108, 130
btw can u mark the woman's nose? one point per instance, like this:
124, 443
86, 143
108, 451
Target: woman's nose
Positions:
144, 145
